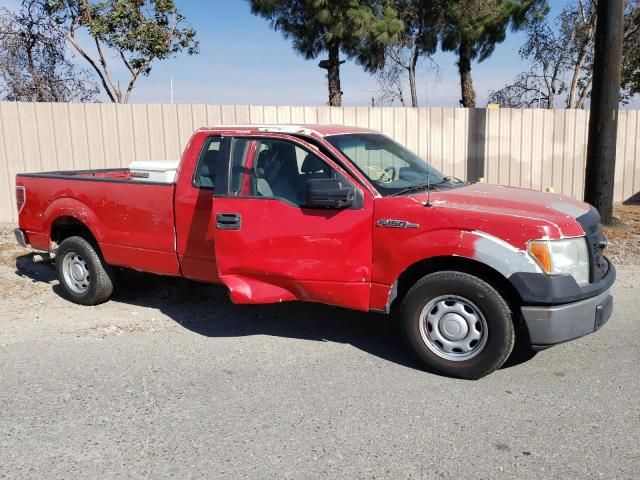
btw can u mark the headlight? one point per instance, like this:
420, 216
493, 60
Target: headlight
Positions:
568, 256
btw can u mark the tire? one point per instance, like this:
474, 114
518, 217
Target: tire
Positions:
84, 276
457, 325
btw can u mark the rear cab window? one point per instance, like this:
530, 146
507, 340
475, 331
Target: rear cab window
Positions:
205, 171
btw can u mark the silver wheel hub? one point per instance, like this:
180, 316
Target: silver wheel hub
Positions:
453, 328
78, 272
75, 272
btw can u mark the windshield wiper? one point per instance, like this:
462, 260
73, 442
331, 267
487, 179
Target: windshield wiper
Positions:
413, 188
429, 185
450, 179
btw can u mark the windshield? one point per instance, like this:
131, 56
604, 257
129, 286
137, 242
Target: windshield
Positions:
390, 167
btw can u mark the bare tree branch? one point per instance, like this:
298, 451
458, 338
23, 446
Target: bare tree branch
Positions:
72, 40
33, 65
137, 32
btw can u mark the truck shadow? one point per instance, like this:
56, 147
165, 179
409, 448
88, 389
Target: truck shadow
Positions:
206, 310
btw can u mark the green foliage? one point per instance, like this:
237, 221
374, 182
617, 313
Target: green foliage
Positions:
356, 26
631, 52
472, 28
140, 31
482, 24
418, 40
423, 23
146, 30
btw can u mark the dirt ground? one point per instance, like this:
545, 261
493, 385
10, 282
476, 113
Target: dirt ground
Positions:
624, 235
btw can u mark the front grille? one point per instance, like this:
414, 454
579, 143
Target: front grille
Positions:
596, 241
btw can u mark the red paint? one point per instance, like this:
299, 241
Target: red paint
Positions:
282, 252
245, 187
194, 220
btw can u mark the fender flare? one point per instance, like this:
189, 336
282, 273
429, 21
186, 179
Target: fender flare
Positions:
476, 246
71, 207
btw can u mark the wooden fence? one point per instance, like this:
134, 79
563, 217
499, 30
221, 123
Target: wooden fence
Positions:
524, 148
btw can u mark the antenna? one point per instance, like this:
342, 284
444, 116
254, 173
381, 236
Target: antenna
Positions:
428, 204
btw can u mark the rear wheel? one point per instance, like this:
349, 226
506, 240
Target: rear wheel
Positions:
84, 276
457, 324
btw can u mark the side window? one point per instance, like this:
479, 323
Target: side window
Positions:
274, 168
205, 173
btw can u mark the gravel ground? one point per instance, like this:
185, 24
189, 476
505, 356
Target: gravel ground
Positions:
624, 235
169, 379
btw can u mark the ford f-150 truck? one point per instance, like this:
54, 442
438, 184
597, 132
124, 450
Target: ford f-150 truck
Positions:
342, 216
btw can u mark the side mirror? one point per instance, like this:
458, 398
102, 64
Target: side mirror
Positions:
329, 193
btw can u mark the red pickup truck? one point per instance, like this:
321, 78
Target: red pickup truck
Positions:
342, 216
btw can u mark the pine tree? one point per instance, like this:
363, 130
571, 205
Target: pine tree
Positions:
472, 28
357, 28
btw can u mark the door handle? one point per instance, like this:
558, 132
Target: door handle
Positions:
228, 221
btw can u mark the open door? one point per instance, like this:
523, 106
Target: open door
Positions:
271, 247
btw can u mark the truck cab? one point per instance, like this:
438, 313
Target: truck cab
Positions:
342, 216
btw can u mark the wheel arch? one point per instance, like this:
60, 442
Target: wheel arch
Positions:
419, 269
66, 217
66, 226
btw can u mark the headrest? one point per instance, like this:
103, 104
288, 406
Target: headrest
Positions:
211, 157
263, 158
204, 170
312, 164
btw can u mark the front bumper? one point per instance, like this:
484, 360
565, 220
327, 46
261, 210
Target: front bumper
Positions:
550, 290
21, 238
549, 325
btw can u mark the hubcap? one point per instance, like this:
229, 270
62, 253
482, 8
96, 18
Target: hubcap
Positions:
453, 328
75, 272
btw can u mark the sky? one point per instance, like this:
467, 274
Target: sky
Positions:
243, 60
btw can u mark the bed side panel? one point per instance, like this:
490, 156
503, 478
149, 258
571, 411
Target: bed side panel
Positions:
132, 222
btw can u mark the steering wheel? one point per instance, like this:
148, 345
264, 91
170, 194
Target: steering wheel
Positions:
391, 171
378, 174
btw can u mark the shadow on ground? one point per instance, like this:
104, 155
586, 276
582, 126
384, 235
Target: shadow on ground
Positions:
206, 310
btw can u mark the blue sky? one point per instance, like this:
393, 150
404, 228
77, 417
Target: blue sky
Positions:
243, 61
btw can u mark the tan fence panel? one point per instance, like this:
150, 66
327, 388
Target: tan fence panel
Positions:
525, 148
627, 155
12, 142
6, 178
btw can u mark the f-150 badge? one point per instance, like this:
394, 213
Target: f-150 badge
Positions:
387, 222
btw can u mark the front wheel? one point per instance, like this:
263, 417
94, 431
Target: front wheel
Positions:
84, 276
457, 324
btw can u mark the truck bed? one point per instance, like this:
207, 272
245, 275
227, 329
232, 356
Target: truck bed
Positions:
128, 217
108, 174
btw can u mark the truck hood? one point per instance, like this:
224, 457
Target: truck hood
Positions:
515, 206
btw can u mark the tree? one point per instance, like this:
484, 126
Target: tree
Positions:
139, 32
603, 115
562, 60
390, 82
33, 66
631, 51
419, 38
357, 28
472, 28
561, 57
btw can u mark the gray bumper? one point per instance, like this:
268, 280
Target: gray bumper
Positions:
550, 325
21, 238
